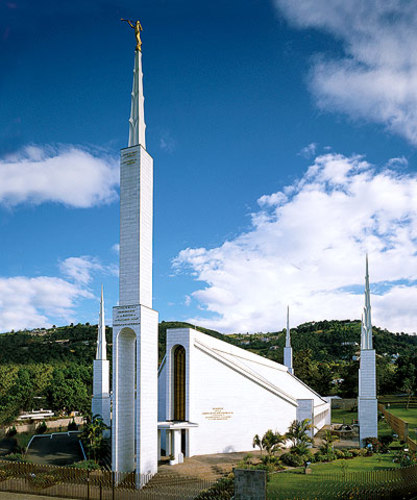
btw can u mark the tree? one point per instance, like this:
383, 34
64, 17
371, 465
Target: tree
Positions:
23, 389
327, 442
271, 442
408, 386
92, 437
298, 435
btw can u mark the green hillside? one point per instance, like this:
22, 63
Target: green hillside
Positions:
53, 367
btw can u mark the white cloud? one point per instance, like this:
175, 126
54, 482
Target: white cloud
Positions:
37, 302
306, 247
309, 151
66, 174
27, 302
167, 143
79, 269
376, 80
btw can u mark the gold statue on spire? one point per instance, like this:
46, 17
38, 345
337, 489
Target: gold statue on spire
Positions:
138, 28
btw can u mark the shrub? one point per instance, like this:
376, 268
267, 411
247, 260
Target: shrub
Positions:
223, 489
385, 442
325, 457
292, 459
42, 479
72, 426
86, 464
11, 432
15, 457
348, 454
376, 445
339, 453
42, 428
22, 441
355, 452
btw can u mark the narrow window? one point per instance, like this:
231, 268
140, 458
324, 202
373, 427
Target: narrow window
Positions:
179, 383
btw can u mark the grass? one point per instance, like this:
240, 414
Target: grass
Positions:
296, 484
409, 416
343, 416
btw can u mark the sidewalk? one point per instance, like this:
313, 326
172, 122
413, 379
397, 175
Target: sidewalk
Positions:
5, 495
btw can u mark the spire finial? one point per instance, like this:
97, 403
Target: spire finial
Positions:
367, 322
138, 28
137, 113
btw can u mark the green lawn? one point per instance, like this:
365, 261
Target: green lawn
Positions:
409, 416
323, 479
344, 416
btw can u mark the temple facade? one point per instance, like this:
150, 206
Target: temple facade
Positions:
213, 397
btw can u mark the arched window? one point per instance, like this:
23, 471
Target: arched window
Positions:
179, 383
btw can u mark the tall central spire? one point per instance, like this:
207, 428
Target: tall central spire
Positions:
137, 114
135, 323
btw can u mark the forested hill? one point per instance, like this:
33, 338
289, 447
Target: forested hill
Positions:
329, 341
72, 344
53, 367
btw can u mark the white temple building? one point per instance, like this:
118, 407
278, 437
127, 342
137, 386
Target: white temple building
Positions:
367, 402
213, 397
100, 404
209, 396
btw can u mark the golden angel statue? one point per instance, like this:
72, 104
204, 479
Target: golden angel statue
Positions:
138, 28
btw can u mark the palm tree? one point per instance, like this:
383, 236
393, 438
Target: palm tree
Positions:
271, 442
93, 437
298, 435
257, 442
328, 439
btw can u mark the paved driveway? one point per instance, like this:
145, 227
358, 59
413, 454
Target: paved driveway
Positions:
61, 449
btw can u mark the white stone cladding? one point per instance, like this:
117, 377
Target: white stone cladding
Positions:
135, 323
136, 205
305, 410
135, 411
288, 358
367, 402
231, 394
288, 348
100, 404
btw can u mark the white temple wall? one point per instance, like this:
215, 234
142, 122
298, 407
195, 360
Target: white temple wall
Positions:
228, 407
162, 373
232, 394
146, 394
322, 416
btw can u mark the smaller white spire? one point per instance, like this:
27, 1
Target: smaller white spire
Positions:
288, 348
366, 319
101, 338
287, 338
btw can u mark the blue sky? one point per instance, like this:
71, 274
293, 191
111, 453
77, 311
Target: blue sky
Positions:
284, 142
